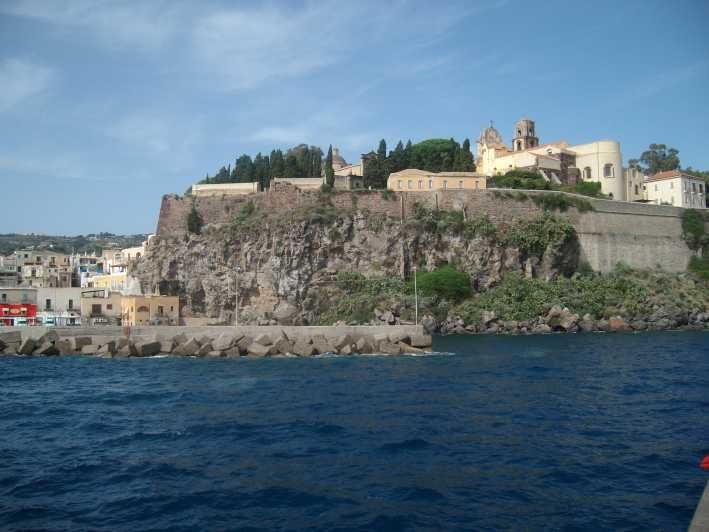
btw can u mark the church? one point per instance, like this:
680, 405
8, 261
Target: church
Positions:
559, 162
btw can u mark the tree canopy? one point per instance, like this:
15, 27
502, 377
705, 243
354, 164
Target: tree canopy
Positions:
657, 158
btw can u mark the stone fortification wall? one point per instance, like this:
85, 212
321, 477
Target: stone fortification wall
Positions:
639, 235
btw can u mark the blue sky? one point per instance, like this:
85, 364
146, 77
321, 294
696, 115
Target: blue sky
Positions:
106, 105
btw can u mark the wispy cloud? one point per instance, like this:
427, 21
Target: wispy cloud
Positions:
117, 24
20, 80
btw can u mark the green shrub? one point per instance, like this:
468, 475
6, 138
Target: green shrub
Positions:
523, 179
326, 188
693, 229
588, 188
532, 237
194, 220
444, 283
559, 202
699, 266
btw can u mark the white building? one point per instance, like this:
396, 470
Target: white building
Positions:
59, 306
559, 162
677, 188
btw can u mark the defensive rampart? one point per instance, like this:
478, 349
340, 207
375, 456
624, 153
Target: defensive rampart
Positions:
639, 235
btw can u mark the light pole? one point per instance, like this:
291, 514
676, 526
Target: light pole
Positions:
416, 297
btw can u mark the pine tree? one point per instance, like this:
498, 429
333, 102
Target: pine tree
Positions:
329, 172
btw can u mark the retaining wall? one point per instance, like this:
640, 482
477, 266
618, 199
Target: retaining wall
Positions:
640, 235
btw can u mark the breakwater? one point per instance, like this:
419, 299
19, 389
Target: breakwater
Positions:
214, 341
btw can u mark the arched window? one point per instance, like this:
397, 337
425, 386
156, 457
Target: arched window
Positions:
519, 145
608, 170
587, 172
143, 309
519, 132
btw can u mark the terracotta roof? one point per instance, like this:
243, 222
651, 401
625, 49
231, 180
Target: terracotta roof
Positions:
671, 174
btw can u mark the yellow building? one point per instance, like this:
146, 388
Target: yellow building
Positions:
413, 180
113, 281
150, 310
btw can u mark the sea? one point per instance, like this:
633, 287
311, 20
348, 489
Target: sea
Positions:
558, 432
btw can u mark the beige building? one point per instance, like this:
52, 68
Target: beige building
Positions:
559, 162
59, 306
150, 310
224, 189
100, 307
677, 188
18, 296
635, 181
413, 180
343, 168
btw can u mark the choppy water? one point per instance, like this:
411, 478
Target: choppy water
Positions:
557, 432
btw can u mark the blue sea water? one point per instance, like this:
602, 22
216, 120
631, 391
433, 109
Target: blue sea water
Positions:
562, 432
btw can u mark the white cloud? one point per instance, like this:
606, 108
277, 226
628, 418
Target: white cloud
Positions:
20, 80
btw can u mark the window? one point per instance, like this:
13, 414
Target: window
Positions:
519, 145
445, 184
636, 190
48, 304
430, 183
460, 184
587, 172
161, 310
701, 188
109, 306
608, 170
694, 187
71, 304
420, 184
477, 185
399, 184
4, 298
143, 309
96, 310
655, 188
410, 184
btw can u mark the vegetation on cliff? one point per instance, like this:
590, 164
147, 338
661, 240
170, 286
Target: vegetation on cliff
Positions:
93, 242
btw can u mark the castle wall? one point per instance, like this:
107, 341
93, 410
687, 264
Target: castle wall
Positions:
641, 236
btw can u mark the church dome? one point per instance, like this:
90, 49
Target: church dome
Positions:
337, 160
490, 136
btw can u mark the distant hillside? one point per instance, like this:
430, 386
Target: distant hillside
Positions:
68, 244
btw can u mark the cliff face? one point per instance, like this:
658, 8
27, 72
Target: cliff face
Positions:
286, 267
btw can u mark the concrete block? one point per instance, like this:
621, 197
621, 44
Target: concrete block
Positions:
48, 349
180, 339
389, 348
204, 339
205, 349
399, 336
64, 347
226, 340
215, 354
233, 352
107, 349
282, 346
166, 346
407, 348
303, 348
346, 349
263, 339
421, 340
48, 337
13, 337
258, 350
27, 346
342, 341
77, 342
244, 344
147, 349
189, 348
89, 349
363, 345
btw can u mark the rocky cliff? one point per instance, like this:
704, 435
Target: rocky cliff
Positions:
285, 264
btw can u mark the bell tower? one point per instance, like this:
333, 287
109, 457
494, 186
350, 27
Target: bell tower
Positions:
524, 135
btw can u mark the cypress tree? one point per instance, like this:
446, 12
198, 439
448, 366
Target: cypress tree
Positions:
329, 171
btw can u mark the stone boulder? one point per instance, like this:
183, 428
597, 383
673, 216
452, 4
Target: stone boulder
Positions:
263, 339
282, 345
561, 319
618, 324
587, 323
364, 345
429, 325
541, 328
303, 348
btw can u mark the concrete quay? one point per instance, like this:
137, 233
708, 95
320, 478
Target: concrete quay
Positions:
214, 341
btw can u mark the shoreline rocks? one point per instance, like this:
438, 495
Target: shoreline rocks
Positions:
562, 320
